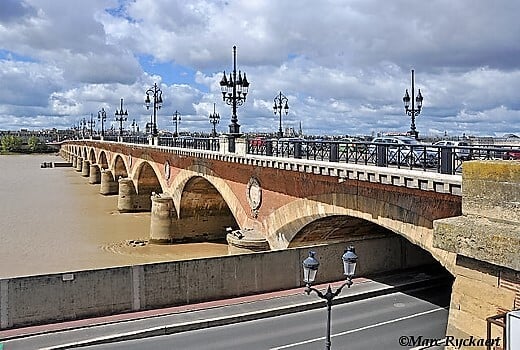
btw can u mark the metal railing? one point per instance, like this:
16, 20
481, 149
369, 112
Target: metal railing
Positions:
442, 159
206, 144
424, 157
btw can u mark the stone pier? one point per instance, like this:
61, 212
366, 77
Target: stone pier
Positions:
246, 241
486, 239
163, 219
79, 164
85, 168
95, 174
108, 185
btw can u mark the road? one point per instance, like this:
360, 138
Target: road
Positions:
375, 323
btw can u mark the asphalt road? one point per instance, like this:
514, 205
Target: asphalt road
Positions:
376, 323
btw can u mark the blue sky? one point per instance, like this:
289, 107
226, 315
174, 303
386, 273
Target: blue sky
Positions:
344, 71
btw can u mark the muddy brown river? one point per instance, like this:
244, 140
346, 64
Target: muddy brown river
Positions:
52, 220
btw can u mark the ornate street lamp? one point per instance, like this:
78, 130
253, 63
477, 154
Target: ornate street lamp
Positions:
280, 102
83, 123
91, 124
176, 118
102, 116
234, 91
156, 93
310, 269
412, 111
121, 117
214, 118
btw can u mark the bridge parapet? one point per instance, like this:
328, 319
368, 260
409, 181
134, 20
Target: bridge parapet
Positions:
417, 179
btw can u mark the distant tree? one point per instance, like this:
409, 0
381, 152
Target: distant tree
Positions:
11, 143
34, 144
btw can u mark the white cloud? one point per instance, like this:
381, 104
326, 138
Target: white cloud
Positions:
343, 64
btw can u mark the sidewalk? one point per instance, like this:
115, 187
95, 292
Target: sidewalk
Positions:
197, 316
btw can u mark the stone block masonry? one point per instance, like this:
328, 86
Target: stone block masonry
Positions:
486, 239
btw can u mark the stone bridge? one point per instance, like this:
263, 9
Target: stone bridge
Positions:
274, 203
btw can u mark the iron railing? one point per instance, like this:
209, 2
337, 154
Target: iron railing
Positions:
441, 159
206, 144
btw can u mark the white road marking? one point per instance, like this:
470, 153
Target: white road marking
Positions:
360, 329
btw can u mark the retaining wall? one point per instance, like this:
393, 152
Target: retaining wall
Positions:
80, 294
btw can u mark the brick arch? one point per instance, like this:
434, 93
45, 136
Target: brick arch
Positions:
337, 228
147, 179
103, 160
119, 167
283, 225
203, 212
230, 198
84, 153
92, 156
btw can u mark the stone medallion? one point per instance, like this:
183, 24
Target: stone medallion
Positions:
254, 195
167, 170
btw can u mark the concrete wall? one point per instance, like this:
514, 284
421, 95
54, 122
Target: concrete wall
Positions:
56, 297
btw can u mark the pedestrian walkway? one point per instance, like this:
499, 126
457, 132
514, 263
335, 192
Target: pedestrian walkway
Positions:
202, 315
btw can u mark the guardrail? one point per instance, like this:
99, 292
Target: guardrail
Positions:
443, 159
206, 144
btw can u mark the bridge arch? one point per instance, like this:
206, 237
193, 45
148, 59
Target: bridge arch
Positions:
84, 152
92, 156
119, 167
286, 223
203, 211
180, 183
147, 180
103, 162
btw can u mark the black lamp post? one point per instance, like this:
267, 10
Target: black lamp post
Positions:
102, 116
121, 117
234, 91
91, 124
280, 102
83, 123
310, 269
134, 124
156, 93
214, 118
413, 112
176, 118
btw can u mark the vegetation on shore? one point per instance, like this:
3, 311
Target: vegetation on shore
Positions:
15, 144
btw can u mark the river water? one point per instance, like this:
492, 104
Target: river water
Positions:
52, 220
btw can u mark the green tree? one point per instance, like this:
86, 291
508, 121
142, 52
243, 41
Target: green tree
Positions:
34, 144
11, 143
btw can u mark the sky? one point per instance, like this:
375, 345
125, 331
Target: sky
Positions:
344, 65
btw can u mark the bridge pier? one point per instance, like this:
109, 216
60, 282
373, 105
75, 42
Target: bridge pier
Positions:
94, 174
128, 198
79, 164
246, 241
85, 168
108, 184
74, 161
162, 218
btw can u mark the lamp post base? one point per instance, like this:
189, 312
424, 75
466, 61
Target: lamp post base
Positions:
234, 129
